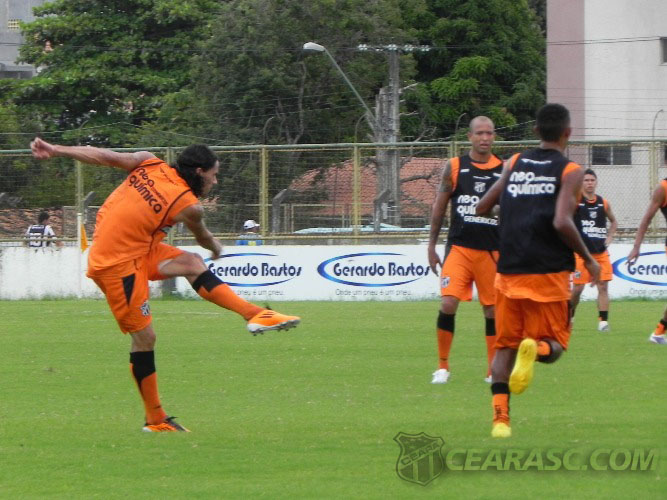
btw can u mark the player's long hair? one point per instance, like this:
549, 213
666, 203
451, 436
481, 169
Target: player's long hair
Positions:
192, 158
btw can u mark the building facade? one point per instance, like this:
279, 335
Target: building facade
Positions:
607, 62
12, 13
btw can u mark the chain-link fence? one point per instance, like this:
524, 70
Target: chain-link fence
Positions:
337, 192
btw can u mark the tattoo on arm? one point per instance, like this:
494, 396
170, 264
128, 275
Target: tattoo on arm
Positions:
446, 180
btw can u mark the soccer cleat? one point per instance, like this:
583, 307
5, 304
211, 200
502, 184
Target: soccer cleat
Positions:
657, 339
522, 374
603, 326
501, 430
440, 376
167, 425
488, 379
267, 320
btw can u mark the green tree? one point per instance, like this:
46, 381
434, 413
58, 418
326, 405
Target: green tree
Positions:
258, 86
254, 84
487, 58
106, 64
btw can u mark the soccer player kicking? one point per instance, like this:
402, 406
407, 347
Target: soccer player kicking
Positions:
592, 215
658, 202
472, 243
538, 193
127, 251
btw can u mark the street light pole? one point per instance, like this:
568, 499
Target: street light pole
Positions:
370, 117
654, 119
385, 124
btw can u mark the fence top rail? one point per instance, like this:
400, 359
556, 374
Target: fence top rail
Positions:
362, 145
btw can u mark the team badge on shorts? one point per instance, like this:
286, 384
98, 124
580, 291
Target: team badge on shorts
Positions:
445, 282
145, 309
577, 275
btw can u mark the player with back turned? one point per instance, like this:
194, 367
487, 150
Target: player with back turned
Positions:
538, 193
472, 243
127, 251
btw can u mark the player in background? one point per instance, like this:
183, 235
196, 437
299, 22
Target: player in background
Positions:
592, 214
538, 193
472, 244
658, 202
127, 251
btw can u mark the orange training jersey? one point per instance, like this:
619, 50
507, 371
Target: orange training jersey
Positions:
138, 214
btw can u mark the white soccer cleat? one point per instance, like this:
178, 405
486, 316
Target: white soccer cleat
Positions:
603, 326
657, 339
440, 376
488, 379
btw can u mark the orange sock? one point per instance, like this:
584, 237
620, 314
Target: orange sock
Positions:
660, 329
501, 408
445, 337
142, 367
543, 348
444, 345
209, 287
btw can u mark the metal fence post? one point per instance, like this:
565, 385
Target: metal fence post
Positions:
263, 190
653, 179
356, 190
79, 222
169, 158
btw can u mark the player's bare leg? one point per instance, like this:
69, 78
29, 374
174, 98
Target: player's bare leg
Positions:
603, 306
575, 298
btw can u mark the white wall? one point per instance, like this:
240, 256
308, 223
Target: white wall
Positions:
626, 84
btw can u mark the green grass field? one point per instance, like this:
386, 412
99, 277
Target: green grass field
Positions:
312, 412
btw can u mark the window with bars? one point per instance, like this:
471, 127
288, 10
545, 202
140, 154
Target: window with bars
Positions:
14, 24
611, 155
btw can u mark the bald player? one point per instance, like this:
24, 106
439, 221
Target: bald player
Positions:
472, 243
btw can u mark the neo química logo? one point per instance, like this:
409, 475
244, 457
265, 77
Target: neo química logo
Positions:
372, 269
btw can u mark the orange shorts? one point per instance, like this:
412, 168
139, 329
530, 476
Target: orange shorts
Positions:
517, 319
126, 286
465, 265
581, 276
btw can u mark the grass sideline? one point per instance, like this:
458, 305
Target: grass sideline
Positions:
311, 412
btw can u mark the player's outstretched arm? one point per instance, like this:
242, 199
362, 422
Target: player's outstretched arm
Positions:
657, 201
566, 204
88, 154
193, 218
